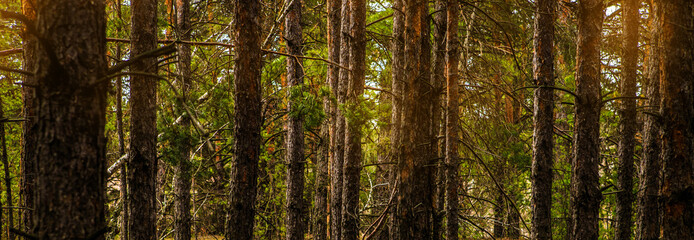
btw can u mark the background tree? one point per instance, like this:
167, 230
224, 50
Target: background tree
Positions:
585, 192
543, 117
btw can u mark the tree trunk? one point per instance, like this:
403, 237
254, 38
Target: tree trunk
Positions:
247, 118
649, 211
142, 165
183, 177
677, 112
295, 125
585, 192
8, 181
354, 120
71, 149
437, 81
339, 133
543, 120
414, 206
328, 130
452, 115
627, 118
30, 128
397, 88
498, 229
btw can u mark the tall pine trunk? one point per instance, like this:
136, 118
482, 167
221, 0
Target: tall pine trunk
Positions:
30, 128
142, 165
183, 177
247, 118
438, 78
71, 149
585, 192
337, 173
452, 115
543, 119
627, 118
649, 211
354, 120
328, 159
677, 111
414, 200
295, 125
397, 88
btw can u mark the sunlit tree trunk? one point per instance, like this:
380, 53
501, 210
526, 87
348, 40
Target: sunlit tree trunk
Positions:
71, 149
649, 211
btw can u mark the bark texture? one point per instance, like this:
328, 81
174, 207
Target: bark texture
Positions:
414, 199
438, 80
354, 119
247, 118
397, 88
339, 141
677, 111
71, 149
627, 118
543, 120
30, 128
452, 115
585, 192
182, 218
295, 125
328, 159
142, 162
649, 211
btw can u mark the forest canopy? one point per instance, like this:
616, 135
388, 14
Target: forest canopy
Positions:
346, 119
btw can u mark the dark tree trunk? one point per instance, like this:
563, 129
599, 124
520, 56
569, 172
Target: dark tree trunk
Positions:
247, 118
328, 131
295, 126
142, 163
182, 218
627, 118
452, 101
677, 111
30, 128
8, 181
414, 200
397, 88
71, 150
649, 211
438, 77
498, 228
585, 192
353, 150
543, 119
339, 134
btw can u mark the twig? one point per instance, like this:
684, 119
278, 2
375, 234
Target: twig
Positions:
10, 51
8, 69
168, 49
